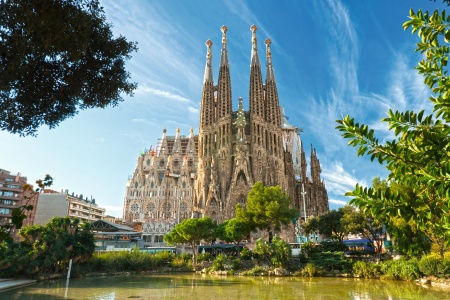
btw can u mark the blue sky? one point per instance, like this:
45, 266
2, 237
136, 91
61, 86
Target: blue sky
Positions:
331, 58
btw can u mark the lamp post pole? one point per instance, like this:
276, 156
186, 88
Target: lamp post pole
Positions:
304, 204
179, 207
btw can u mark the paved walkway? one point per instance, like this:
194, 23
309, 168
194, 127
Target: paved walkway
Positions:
6, 284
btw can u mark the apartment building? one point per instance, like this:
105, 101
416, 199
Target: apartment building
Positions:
62, 204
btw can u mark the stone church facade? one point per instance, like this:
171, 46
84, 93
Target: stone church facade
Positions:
209, 173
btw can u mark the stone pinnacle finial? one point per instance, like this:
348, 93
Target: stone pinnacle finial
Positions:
191, 130
254, 59
208, 44
178, 130
268, 42
164, 130
253, 28
224, 33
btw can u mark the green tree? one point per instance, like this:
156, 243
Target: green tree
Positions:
277, 253
407, 238
47, 249
419, 156
330, 224
19, 214
267, 208
233, 231
56, 57
311, 225
191, 231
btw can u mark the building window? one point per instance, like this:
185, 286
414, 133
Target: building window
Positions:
9, 179
8, 194
5, 211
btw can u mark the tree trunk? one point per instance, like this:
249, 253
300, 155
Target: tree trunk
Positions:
194, 253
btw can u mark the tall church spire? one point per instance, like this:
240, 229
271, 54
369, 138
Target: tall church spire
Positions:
256, 86
269, 75
208, 69
255, 58
224, 54
224, 84
272, 108
207, 115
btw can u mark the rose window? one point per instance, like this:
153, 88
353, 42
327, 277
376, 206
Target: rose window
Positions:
134, 207
151, 207
183, 207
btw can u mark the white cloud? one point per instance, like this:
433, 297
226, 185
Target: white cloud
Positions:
338, 202
193, 110
338, 181
407, 90
113, 210
165, 94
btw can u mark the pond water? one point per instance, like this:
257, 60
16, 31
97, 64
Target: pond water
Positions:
194, 286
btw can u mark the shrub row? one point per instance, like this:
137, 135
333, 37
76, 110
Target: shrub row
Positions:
134, 261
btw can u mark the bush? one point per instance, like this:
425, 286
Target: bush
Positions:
262, 251
293, 264
433, 265
281, 252
219, 263
164, 258
182, 261
236, 264
246, 254
330, 261
257, 271
410, 270
401, 269
204, 257
366, 270
310, 270
310, 249
276, 253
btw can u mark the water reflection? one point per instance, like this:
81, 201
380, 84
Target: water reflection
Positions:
193, 287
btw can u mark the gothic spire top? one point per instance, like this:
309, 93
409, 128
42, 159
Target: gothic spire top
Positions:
224, 34
208, 69
224, 54
255, 59
270, 74
240, 121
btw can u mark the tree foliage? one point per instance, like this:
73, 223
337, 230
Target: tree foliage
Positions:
267, 208
47, 249
18, 214
419, 156
57, 56
407, 238
191, 231
233, 231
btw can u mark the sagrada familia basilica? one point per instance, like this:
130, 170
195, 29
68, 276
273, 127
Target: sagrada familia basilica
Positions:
209, 173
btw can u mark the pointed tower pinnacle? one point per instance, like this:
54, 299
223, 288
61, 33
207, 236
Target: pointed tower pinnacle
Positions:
224, 56
255, 58
269, 74
208, 69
